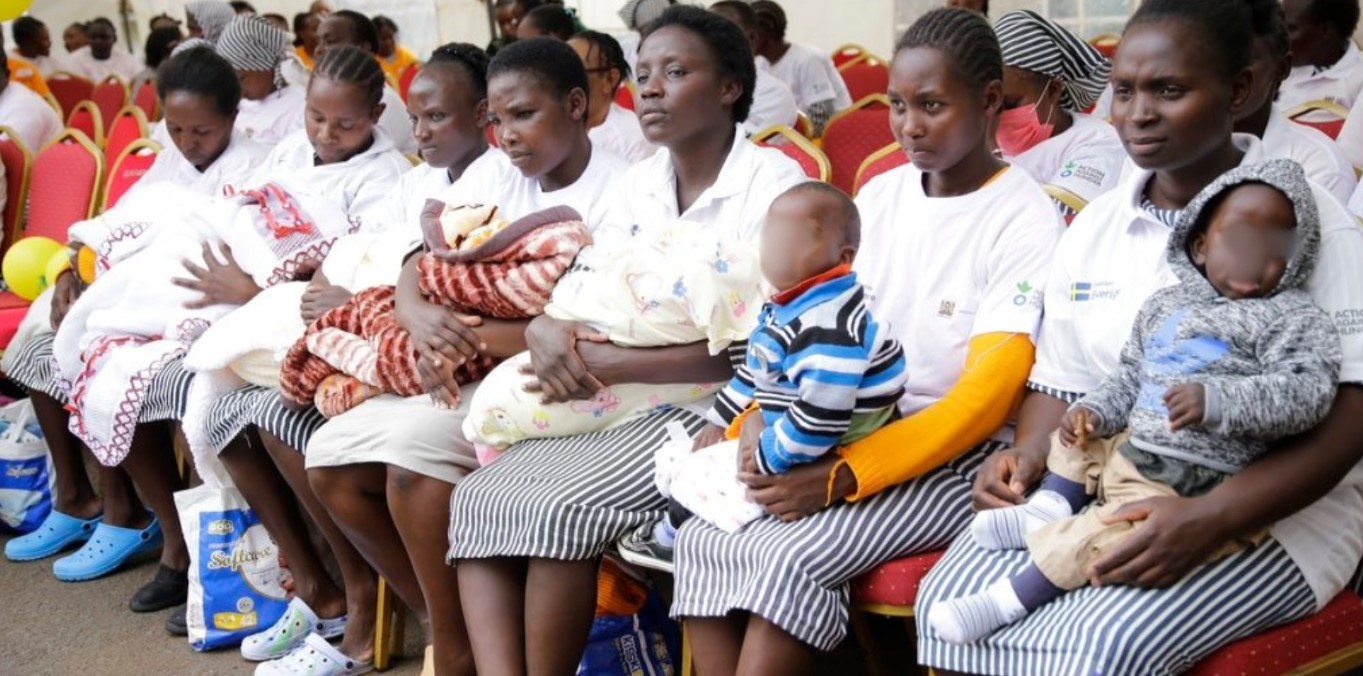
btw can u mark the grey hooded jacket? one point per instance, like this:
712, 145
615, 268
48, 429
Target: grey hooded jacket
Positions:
1269, 365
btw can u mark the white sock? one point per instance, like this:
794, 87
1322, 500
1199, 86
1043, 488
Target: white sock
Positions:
665, 533
1007, 527
971, 618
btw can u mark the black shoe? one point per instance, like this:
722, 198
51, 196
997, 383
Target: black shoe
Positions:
641, 548
175, 622
168, 589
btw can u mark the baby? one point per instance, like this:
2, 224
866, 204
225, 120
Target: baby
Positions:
1218, 367
820, 372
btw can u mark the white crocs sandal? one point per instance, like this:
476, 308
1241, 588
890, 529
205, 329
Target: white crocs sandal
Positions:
315, 657
288, 632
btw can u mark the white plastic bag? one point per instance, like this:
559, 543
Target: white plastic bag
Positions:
25, 470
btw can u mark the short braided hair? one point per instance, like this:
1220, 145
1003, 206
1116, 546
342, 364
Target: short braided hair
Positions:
771, 18
610, 50
1224, 26
962, 35
472, 60
345, 63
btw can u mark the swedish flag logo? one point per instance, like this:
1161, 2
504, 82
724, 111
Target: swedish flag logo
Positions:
1079, 291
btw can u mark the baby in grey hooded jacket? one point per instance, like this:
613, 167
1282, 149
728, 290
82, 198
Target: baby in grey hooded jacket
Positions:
1217, 368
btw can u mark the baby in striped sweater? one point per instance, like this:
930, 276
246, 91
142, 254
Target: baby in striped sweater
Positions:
819, 372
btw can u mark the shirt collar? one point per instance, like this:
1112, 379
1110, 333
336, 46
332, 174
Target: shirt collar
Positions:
1342, 68
730, 181
1136, 180
795, 301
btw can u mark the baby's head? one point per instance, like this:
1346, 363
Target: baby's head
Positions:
1245, 240
810, 229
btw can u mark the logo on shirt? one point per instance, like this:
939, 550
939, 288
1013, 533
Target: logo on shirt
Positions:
1349, 322
1081, 292
947, 309
1026, 292
1082, 172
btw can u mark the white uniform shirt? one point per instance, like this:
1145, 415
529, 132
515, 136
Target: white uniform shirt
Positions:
236, 164
1340, 83
621, 135
396, 124
274, 117
1113, 257
499, 182
942, 270
1086, 160
812, 77
120, 63
1322, 160
358, 184
772, 102
29, 116
47, 65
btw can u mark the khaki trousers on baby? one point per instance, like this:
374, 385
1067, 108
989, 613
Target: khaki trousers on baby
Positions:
1065, 549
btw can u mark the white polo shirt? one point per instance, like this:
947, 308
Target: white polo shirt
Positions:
274, 117
29, 116
812, 77
1322, 160
621, 135
499, 182
1350, 139
1085, 161
232, 167
942, 270
120, 63
1113, 257
772, 102
1339, 83
357, 184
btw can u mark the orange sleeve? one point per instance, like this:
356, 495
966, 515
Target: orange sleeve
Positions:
989, 390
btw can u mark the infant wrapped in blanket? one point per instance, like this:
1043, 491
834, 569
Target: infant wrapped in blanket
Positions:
477, 263
133, 321
653, 287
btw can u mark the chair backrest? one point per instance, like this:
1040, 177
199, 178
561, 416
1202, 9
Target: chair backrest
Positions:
405, 80
145, 99
624, 95
1106, 44
1334, 113
63, 185
86, 118
69, 90
865, 77
795, 146
55, 105
847, 54
877, 163
129, 125
110, 96
128, 168
804, 125
18, 161
853, 135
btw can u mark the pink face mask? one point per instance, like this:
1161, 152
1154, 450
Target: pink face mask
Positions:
1020, 129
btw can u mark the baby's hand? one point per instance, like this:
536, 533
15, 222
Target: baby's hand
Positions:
1187, 404
1076, 426
708, 436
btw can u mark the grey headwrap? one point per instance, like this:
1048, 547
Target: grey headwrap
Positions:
1035, 43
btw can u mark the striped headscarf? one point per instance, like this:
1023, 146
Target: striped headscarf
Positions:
639, 13
1034, 43
212, 16
252, 43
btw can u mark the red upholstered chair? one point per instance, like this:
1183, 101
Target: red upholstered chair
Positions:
865, 77
110, 96
796, 147
1329, 642
877, 163
69, 90
847, 54
127, 169
128, 126
890, 590
624, 95
145, 99
804, 125
405, 79
1335, 112
853, 134
86, 119
1106, 44
18, 161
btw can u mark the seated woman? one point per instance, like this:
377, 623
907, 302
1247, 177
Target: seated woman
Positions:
271, 108
954, 249
347, 27
393, 57
199, 94
1151, 590
526, 532
1049, 75
608, 124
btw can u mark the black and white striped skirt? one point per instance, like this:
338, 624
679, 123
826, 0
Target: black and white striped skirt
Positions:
567, 498
167, 394
253, 405
1116, 630
795, 575
32, 367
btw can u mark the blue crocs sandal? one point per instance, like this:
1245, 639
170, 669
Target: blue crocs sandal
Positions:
57, 532
106, 550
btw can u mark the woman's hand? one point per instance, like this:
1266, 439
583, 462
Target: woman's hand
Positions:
220, 283
1179, 534
438, 331
437, 377
708, 436
322, 297
561, 374
64, 294
802, 491
1006, 476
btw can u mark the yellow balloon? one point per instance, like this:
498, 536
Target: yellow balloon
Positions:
12, 9
59, 262
25, 265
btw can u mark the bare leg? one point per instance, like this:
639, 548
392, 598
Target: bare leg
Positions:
74, 494
717, 642
768, 649
151, 464
493, 590
420, 507
560, 603
361, 587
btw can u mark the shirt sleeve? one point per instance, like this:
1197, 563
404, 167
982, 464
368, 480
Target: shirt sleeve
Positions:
1088, 171
1017, 267
1061, 369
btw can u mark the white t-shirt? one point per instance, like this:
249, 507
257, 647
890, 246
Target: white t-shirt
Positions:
274, 117
942, 270
29, 116
621, 134
1113, 257
1085, 161
499, 182
772, 102
358, 184
47, 65
235, 165
120, 63
1339, 83
396, 124
1322, 160
812, 77
1350, 139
